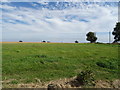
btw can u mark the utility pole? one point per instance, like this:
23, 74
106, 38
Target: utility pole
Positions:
95, 33
109, 37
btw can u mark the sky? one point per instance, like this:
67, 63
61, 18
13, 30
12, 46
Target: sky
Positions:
57, 21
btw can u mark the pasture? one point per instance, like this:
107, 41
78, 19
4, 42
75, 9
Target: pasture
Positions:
24, 62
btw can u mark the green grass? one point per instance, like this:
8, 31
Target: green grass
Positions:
49, 61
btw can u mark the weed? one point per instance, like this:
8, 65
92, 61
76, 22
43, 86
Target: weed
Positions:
40, 56
14, 82
18, 51
86, 77
42, 62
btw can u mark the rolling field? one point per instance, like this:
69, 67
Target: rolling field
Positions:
24, 62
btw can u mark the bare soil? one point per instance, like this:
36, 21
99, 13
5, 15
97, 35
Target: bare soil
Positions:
63, 83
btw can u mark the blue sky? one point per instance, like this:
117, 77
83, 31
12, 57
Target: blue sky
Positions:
57, 21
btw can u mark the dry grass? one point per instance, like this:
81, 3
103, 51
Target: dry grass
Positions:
64, 83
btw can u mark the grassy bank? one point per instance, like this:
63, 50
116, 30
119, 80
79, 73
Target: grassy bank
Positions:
24, 62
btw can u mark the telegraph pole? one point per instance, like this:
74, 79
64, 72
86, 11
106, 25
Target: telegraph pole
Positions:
95, 33
109, 37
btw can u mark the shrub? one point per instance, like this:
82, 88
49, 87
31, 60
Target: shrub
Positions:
76, 41
44, 41
86, 77
20, 41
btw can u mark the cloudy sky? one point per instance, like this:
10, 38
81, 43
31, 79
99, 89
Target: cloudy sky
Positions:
57, 21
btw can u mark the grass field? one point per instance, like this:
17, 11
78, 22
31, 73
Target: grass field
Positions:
49, 61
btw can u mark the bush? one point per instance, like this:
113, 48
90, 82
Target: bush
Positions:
76, 41
44, 41
86, 77
20, 41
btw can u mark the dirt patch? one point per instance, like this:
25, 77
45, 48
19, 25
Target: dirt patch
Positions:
63, 83
108, 84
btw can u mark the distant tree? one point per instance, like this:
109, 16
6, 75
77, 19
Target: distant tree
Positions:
44, 41
91, 37
76, 41
116, 33
20, 41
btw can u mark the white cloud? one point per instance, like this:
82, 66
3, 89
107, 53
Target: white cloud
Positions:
42, 2
7, 7
51, 23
